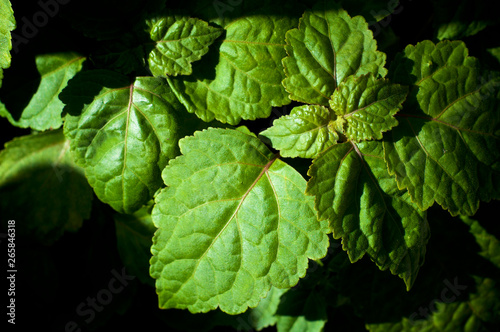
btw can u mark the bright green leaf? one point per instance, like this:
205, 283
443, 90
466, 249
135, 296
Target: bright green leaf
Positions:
41, 188
307, 131
124, 137
368, 106
134, 233
240, 78
261, 228
361, 200
7, 24
328, 47
178, 42
44, 109
446, 147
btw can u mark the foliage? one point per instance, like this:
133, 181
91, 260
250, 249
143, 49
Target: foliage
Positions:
388, 146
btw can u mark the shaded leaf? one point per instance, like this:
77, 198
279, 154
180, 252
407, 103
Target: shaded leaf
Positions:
41, 188
262, 227
134, 233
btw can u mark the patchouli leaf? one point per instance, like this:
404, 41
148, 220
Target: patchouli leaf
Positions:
7, 24
178, 42
446, 147
239, 78
233, 221
44, 109
124, 136
364, 206
307, 131
41, 188
367, 105
328, 47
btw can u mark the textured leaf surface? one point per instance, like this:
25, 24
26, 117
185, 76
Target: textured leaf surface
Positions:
7, 24
44, 109
36, 171
134, 233
240, 78
446, 148
123, 137
361, 200
307, 131
233, 222
178, 42
328, 47
367, 105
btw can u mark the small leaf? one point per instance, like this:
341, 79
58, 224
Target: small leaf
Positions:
241, 79
124, 137
307, 131
178, 42
261, 231
328, 47
368, 106
446, 147
41, 188
361, 200
44, 109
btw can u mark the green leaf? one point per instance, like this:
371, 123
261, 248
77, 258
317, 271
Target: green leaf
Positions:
41, 188
261, 231
134, 233
240, 78
44, 109
361, 200
302, 311
124, 136
178, 42
364, 108
7, 24
307, 131
446, 147
264, 315
367, 105
328, 47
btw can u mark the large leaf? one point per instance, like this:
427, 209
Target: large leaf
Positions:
179, 40
44, 109
446, 148
361, 108
361, 200
233, 221
240, 78
328, 47
41, 188
124, 137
